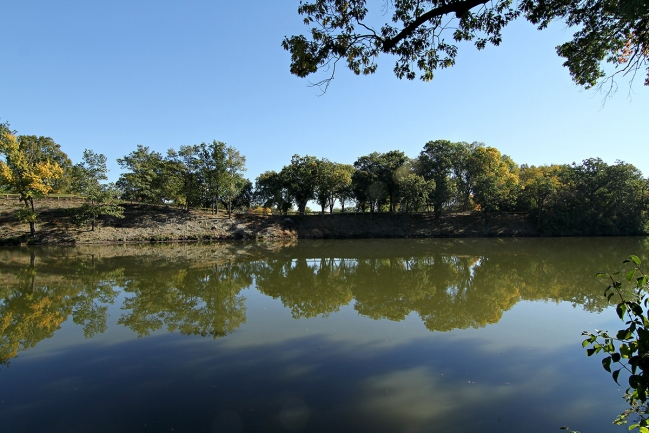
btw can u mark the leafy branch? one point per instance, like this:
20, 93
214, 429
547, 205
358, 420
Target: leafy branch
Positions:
628, 349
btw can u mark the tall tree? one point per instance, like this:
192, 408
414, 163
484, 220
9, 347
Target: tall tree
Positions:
326, 183
146, 180
300, 178
214, 157
436, 164
270, 190
496, 179
186, 167
343, 191
87, 177
381, 175
28, 169
425, 35
235, 165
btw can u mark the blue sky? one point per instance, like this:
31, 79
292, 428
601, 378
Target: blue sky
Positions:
110, 75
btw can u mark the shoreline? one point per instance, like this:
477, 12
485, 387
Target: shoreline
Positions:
148, 223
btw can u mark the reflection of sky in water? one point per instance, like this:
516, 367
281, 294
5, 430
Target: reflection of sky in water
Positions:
344, 372
277, 373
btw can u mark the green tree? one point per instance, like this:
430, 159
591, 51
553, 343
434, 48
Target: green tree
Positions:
235, 165
343, 190
244, 199
378, 179
425, 35
538, 186
146, 180
599, 199
100, 199
29, 168
186, 168
415, 191
270, 191
496, 179
436, 162
463, 176
326, 184
214, 159
300, 178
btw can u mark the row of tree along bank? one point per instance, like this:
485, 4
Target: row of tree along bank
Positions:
590, 198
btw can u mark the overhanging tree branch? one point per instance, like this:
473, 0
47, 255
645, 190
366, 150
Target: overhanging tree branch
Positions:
460, 8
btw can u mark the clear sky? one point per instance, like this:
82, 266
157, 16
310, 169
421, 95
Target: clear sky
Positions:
110, 75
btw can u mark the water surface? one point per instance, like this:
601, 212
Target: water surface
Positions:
318, 336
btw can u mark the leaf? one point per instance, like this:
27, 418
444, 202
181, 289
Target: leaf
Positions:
635, 259
590, 352
620, 309
622, 334
630, 275
616, 374
585, 343
606, 363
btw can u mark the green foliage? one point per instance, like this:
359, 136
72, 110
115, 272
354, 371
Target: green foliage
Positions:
270, 191
235, 165
146, 179
627, 351
424, 36
375, 180
300, 178
100, 199
436, 165
31, 167
594, 198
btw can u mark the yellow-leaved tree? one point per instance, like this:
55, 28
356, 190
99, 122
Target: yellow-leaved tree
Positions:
28, 170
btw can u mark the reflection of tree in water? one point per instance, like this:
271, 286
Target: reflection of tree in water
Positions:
202, 301
447, 290
307, 288
33, 308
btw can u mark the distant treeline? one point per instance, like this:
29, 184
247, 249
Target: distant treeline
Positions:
589, 198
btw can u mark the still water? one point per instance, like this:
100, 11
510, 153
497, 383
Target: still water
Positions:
317, 336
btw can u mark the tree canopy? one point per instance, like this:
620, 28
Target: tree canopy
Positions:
425, 35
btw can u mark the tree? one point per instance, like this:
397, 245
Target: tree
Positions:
538, 185
343, 191
380, 176
326, 184
214, 157
270, 191
29, 168
599, 199
300, 179
186, 166
235, 165
415, 191
243, 200
100, 199
147, 178
424, 35
436, 162
496, 179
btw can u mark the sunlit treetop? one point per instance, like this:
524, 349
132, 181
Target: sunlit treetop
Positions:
424, 35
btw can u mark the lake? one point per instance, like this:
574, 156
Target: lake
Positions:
397, 335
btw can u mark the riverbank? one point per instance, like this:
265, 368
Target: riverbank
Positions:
145, 223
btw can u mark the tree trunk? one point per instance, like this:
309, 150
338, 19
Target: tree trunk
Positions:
29, 202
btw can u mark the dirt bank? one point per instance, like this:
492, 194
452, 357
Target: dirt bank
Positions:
144, 223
